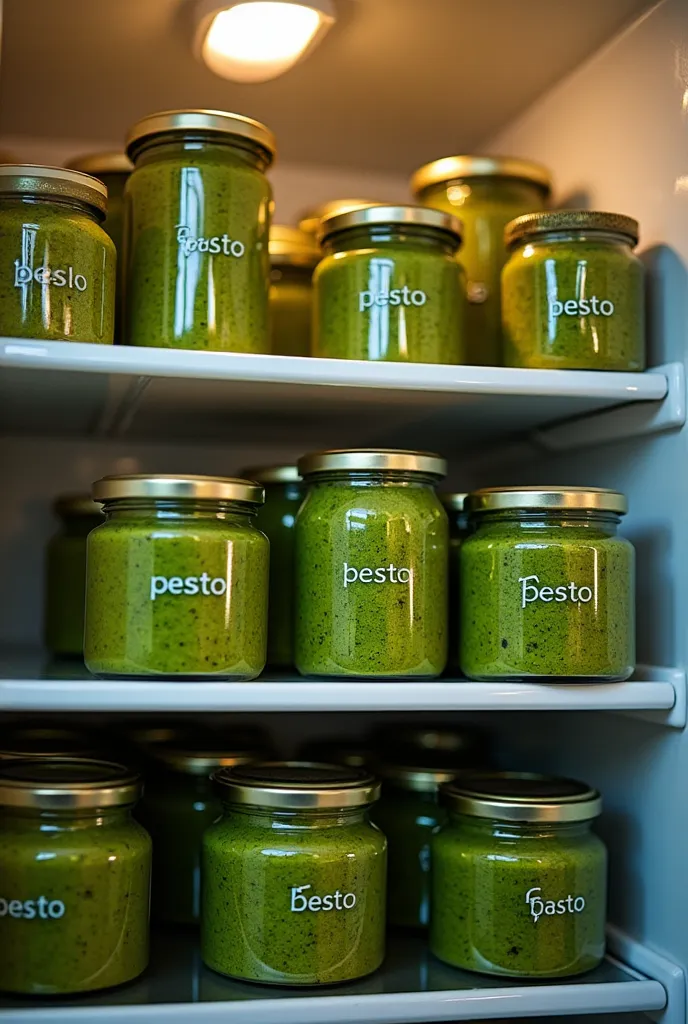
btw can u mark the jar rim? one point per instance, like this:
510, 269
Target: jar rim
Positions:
571, 499
530, 225
416, 778
521, 796
201, 760
53, 182
217, 122
449, 168
102, 163
454, 501
180, 487
67, 783
289, 246
77, 505
392, 216
296, 786
372, 460
309, 221
287, 474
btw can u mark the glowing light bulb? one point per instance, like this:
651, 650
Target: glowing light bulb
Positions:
256, 40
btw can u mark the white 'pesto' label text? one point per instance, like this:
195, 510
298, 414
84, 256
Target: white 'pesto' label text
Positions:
539, 905
219, 245
41, 908
384, 574
532, 591
64, 277
332, 901
204, 584
581, 307
394, 297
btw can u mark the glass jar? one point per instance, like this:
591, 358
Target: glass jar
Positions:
547, 586
486, 193
177, 579
458, 531
57, 278
518, 878
388, 287
75, 871
573, 292
65, 578
371, 565
294, 876
309, 221
284, 491
179, 804
197, 216
113, 169
293, 258
408, 813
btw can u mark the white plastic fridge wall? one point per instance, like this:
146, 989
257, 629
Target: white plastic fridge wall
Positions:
629, 106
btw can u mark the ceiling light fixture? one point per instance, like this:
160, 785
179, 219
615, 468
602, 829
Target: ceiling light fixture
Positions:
256, 40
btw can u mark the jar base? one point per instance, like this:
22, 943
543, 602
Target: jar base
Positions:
293, 984
548, 680
162, 677
519, 975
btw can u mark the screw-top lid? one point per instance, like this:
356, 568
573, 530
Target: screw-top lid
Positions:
532, 224
372, 460
451, 168
585, 499
202, 760
273, 474
38, 741
455, 501
188, 122
57, 784
102, 163
418, 778
174, 488
76, 505
58, 182
296, 786
290, 247
520, 796
394, 216
310, 219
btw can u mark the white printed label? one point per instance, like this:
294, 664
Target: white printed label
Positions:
60, 278
383, 574
175, 585
41, 908
332, 901
221, 245
394, 297
581, 307
539, 905
532, 591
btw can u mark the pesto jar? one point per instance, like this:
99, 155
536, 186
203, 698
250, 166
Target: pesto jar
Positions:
113, 169
547, 586
65, 578
57, 272
179, 804
573, 292
177, 579
486, 193
293, 258
519, 879
371, 565
458, 531
309, 222
75, 871
294, 876
408, 813
284, 491
388, 286
197, 217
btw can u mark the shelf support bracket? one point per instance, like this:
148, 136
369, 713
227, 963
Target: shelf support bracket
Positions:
644, 960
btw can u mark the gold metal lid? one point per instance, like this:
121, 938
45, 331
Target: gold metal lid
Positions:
196, 488
201, 760
68, 505
532, 224
454, 501
297, 786
593, 499
60, 182
102, 163
418, 778
310, 219
372, 460
521, 796
64, 783
451, 168
41, 741
273, 474
409, 216
290, 247
186, 122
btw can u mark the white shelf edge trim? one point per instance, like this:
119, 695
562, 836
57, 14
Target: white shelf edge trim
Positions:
620, 424
651, 386
652, 965
676, 716
641, 994
656, 691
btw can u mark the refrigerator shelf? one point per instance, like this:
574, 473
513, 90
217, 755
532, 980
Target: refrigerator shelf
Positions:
102, 391
410, 987
29, 682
